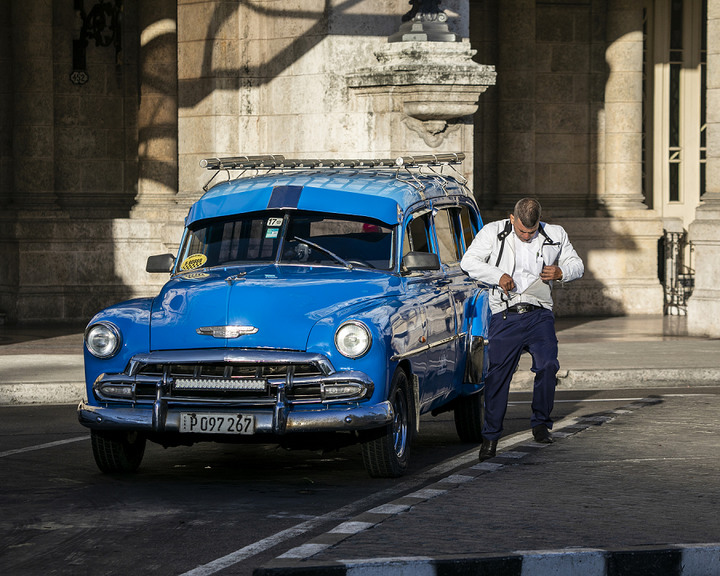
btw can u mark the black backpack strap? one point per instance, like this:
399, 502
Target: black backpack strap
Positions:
548, 241
503, 234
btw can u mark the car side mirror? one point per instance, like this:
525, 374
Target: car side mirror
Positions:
421, 261
160, 264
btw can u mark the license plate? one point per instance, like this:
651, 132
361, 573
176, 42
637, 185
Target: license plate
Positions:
217, 423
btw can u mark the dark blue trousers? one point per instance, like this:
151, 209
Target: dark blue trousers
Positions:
509, 337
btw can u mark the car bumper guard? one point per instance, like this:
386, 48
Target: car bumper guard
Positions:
161, 418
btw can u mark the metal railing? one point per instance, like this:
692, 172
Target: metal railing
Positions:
677, 274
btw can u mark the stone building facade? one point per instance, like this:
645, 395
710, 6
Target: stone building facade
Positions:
602, 109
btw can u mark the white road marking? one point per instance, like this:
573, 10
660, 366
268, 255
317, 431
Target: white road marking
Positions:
43, 446
304, 551
351, 527
427, 493
457, 479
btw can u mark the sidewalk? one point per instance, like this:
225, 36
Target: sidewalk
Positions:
45, 365
41, 365
624, 352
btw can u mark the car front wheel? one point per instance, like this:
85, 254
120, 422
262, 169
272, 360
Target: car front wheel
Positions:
117, 452
386, 452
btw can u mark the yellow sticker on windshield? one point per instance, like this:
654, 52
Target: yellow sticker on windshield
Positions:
193, 261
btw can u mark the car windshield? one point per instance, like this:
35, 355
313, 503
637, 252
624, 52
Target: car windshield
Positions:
291, 237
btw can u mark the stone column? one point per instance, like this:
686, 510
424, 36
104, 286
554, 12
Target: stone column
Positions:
516, 106
621, 245
33, 118
158, 109
6, 109
623, 109
8, 248
704, 305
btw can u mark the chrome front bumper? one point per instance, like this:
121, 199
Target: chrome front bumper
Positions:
161, 419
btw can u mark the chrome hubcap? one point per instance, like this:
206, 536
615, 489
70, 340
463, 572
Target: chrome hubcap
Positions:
400, 423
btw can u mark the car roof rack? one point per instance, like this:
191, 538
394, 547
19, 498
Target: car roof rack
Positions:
279, 162
410, 164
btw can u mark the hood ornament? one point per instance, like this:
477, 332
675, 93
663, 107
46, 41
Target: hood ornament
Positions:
226, 331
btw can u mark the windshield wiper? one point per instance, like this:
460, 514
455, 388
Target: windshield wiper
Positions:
322, 249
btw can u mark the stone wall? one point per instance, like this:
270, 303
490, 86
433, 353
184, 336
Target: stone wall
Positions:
94, 178
69, 269
68, 156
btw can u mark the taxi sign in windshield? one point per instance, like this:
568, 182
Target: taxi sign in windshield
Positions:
193, 261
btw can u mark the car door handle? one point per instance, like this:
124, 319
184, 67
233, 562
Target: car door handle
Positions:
443, 282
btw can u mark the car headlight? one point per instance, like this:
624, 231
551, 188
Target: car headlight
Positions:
103, 340
353, 339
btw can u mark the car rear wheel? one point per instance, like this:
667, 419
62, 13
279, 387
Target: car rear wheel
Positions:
386, 452
117, 452
469, 415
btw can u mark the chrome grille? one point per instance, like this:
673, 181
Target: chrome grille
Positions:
227, 380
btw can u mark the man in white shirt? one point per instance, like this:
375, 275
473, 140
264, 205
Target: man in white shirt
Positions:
520, 258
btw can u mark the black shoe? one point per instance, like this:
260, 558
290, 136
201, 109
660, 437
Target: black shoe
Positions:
487, 450
542, 434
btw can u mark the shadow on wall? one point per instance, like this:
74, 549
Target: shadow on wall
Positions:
335, 19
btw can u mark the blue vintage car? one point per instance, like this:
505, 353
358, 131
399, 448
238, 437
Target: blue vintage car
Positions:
316, 305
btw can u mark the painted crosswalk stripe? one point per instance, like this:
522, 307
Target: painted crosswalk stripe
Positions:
43, 446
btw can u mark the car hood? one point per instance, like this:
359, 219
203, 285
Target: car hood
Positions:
276, 305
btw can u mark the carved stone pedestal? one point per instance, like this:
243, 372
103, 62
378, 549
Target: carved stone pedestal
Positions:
426, 93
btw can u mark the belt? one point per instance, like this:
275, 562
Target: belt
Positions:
522, 308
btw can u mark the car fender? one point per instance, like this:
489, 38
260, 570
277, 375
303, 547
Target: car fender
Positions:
386, 318
478, 319
132, 319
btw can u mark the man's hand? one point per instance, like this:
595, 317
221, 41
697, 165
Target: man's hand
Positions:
551, 273
506, 283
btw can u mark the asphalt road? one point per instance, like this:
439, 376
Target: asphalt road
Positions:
205, 509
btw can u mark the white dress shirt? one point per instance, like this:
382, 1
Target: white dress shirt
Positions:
528, 262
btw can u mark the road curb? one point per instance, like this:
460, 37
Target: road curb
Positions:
612, 378
675, 560
71, 392
608, 379
41, 379
15, 394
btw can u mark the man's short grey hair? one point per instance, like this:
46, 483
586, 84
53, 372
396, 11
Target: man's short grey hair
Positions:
528, 211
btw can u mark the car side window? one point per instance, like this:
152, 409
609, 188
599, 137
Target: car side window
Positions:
417, 235
447, 238
469, 227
